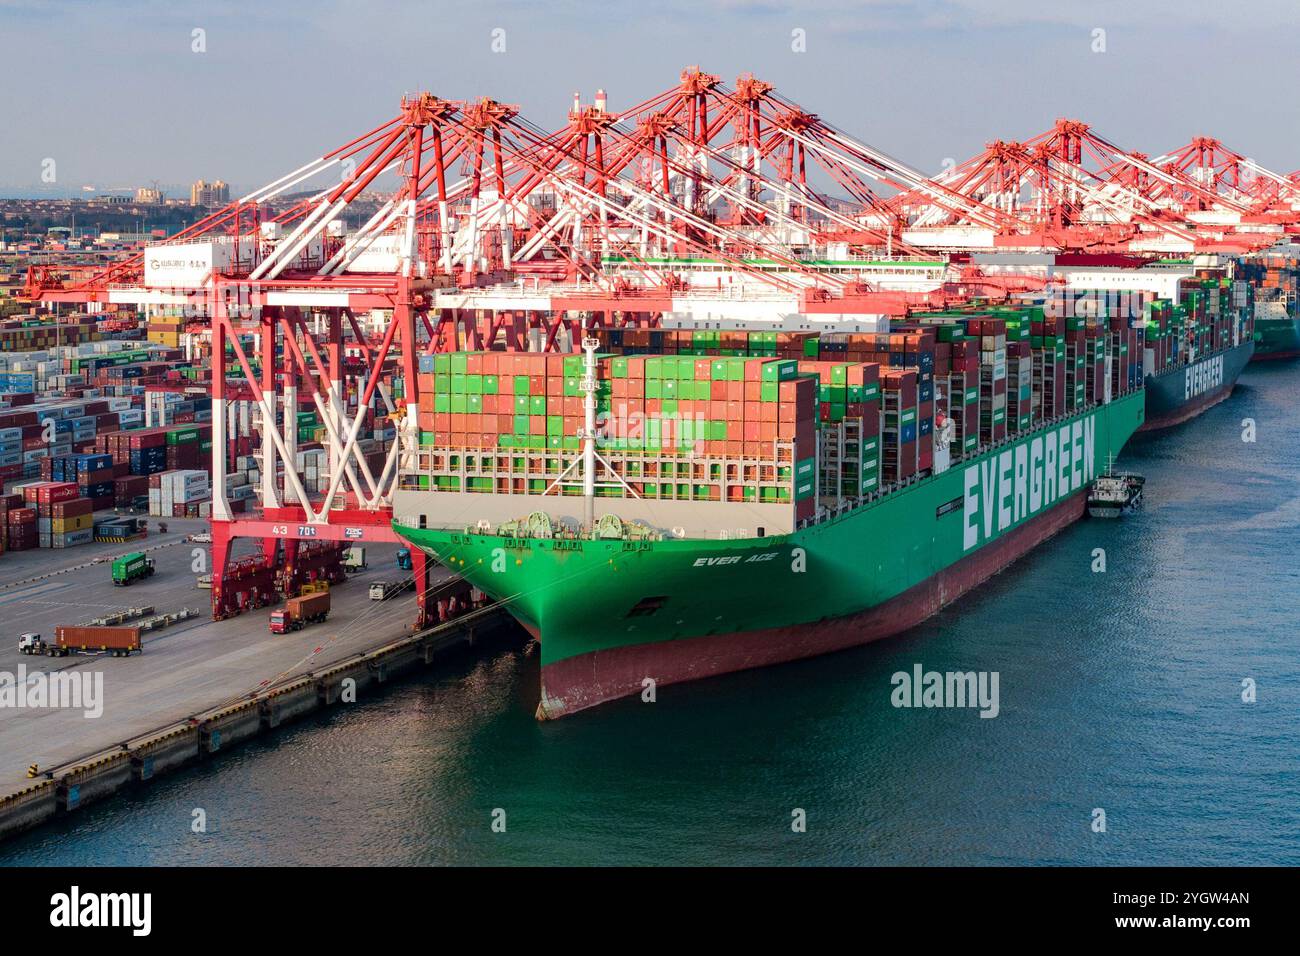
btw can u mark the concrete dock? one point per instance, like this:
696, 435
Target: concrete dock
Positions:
199, 686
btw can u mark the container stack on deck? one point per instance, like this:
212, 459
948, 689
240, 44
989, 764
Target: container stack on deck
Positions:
852, 413
682, 428
1210, 316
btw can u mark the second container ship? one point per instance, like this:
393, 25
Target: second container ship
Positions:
758, 497
1276, 281
1197, 346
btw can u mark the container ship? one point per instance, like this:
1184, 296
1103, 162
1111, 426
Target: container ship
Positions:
1277, 337
673, 505
1196, 348
1277, 320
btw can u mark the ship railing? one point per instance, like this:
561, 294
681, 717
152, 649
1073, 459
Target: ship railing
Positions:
718, 473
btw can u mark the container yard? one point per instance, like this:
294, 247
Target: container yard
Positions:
640, 384
181, 693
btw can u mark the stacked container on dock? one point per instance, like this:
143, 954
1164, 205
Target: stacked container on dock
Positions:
10, 506
93, 473
71, 523
182, 444
47, 496
20, 525
25, 335
177, 494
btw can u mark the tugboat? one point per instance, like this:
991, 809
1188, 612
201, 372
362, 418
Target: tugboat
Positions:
1115, 494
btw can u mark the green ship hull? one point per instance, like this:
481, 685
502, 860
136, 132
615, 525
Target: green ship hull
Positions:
1277, 339
615, 616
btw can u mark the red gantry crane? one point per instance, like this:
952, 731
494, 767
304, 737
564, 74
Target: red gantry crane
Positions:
698, 205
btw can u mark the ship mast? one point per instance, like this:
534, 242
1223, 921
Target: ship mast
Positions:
582, 470
589, 346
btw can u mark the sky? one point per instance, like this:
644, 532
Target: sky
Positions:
116, 94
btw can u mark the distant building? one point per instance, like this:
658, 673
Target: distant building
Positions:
209, 194
146, 195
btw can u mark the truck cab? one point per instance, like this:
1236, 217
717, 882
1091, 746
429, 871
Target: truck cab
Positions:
30, 643
383, 590
280, 621
404, 559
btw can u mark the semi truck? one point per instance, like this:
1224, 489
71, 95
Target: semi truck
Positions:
404, 559
114, 641
132, 567
300, 611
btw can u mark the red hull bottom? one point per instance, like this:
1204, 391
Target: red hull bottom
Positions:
1185, 413
587, 680
1276, 356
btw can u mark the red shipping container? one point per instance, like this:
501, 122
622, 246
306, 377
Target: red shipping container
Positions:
71, 509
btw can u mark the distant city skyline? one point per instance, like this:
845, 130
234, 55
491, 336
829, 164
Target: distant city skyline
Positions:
171, 191
141, 96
